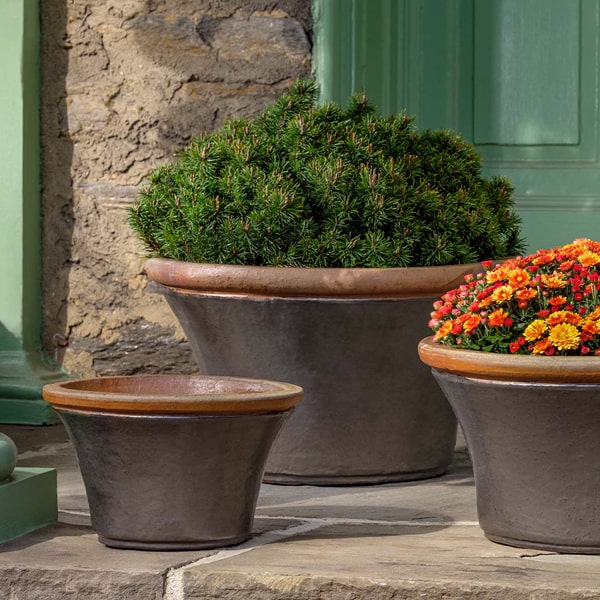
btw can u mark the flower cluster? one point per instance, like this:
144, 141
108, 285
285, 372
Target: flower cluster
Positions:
545, 303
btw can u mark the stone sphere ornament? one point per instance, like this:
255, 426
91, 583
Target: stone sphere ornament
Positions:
8, 457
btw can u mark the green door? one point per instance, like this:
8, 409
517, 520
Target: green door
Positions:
519, 78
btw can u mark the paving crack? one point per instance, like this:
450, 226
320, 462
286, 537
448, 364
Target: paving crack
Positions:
173, 587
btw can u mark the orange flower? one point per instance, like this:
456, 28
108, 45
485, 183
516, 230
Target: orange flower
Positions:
471, 323
497, 318
542, 346
535, 330
544, 259
557, 301
556, 318
591, 327
526, 294
553, 281
518, 278
497, 274
502, 294
564, 337
573, 318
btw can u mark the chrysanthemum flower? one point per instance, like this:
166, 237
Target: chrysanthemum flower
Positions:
564, 336
588, 259
549, 301
502, 294
518, 278
535, 330
497, 318
553, 281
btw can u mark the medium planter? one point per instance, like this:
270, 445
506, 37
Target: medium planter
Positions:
372, 412
532, 425
172, 462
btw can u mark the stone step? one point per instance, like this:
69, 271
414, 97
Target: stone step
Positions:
400, 541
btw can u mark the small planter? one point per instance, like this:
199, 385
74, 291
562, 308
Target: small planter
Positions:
532, 425
172, 462
372, 412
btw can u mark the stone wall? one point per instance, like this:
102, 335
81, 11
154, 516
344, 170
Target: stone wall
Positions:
125, 84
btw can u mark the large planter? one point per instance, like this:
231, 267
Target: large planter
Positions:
532, 425
172, 462
372, 412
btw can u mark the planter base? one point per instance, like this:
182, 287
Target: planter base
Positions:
285, 479
561, 548
161, 546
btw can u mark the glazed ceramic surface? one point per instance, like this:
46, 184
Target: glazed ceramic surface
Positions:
372, 412
534, 443
172, 462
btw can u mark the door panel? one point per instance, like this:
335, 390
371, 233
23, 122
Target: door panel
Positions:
519, 78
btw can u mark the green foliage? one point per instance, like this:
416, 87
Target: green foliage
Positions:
312, 186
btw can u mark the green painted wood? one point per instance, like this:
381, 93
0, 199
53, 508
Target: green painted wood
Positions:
526, 53
28, 501
519, 79
23, 369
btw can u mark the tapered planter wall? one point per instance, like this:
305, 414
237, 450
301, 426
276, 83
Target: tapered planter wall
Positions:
532, 425
172, 462
372, 412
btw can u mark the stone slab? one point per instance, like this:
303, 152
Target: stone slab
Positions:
28, 501
452, 562
412, 540
64, 561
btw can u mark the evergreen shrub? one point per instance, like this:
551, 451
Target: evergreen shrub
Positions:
303, 185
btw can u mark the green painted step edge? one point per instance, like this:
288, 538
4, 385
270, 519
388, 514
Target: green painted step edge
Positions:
28, 500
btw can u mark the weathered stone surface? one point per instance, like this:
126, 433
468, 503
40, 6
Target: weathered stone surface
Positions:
141, 347
368, 561
402, 541
72, 584
125, 84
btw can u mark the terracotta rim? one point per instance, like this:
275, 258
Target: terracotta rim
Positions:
510, 367
299, 282
173, 395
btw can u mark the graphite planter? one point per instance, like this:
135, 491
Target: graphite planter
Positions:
172, 462
372, 413
532, 425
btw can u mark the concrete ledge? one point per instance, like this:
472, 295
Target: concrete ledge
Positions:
28, 501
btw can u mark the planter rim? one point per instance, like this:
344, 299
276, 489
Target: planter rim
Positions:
509, 367
173, 395
393, 282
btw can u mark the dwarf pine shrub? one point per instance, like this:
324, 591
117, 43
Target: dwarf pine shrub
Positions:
303, 185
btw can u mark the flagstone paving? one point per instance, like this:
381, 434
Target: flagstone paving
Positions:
389, 542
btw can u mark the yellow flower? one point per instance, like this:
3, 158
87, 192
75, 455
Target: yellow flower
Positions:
589, 258
502, 294
443, 331
535, 330
565, 337
554, 281
497, 274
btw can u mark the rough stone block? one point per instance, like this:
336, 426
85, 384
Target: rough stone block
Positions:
28, 501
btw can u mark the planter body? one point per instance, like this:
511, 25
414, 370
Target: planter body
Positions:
534, 443
176, 480
372, 412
